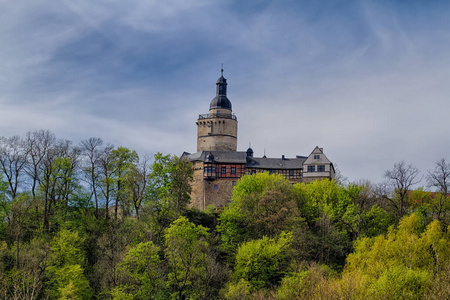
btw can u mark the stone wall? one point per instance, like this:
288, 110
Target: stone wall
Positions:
197, 186
218, 192
217, 134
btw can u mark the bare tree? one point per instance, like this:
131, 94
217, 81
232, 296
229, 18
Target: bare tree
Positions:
106, 176
91, 149
440, 180
37, 143
136, 182
399, 181
13, 159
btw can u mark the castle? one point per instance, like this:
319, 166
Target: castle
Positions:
218, 165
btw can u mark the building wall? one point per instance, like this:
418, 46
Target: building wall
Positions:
217, 134
197, 198
220, 196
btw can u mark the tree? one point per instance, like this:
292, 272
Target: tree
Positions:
168, 189
58, 177
440, 180
186, 248
260, 262
402, 263
136, 183
106, 176
20, 208
143, 264
182, 177
91, 150
13, 160
122, 161
399, 181
66, 262
262, 205
38, 144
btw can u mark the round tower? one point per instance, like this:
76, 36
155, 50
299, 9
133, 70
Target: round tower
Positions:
218, 129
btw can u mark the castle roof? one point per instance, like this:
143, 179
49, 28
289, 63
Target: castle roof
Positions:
221, 101
240, 157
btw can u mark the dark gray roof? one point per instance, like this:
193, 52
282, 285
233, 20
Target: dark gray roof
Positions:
220, 101
237, 157
276, 163
240, 157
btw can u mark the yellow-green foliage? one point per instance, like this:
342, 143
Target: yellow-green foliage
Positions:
186, 253
401, 264
68, 280
238, 291
142, 265
258, 261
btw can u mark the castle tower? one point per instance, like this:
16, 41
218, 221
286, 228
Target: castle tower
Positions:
217, 130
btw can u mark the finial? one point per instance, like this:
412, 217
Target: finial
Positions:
221, 70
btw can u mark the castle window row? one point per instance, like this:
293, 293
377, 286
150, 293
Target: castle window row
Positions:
223, 171
319, 168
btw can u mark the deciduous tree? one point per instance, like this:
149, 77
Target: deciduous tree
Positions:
400, 180
440, 180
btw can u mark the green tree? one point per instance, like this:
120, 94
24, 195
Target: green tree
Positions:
123, 161
144, 266
186, 251
168, 190
66, 260
20, 214
402, 263
260, 262
261, 205
136, 184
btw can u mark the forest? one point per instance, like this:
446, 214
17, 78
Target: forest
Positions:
95, 221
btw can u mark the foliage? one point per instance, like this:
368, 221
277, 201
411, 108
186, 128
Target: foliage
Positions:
168, 189
96, 221
262, 205
186, 253
260, 261
143, 264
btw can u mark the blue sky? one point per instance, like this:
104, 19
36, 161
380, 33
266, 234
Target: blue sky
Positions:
366, 80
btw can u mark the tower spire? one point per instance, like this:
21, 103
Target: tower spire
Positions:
221, 71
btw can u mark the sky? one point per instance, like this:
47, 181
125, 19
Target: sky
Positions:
368, 81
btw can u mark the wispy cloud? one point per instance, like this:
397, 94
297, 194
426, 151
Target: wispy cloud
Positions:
365, 80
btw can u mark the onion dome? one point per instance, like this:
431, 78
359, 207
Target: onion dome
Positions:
221, 101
